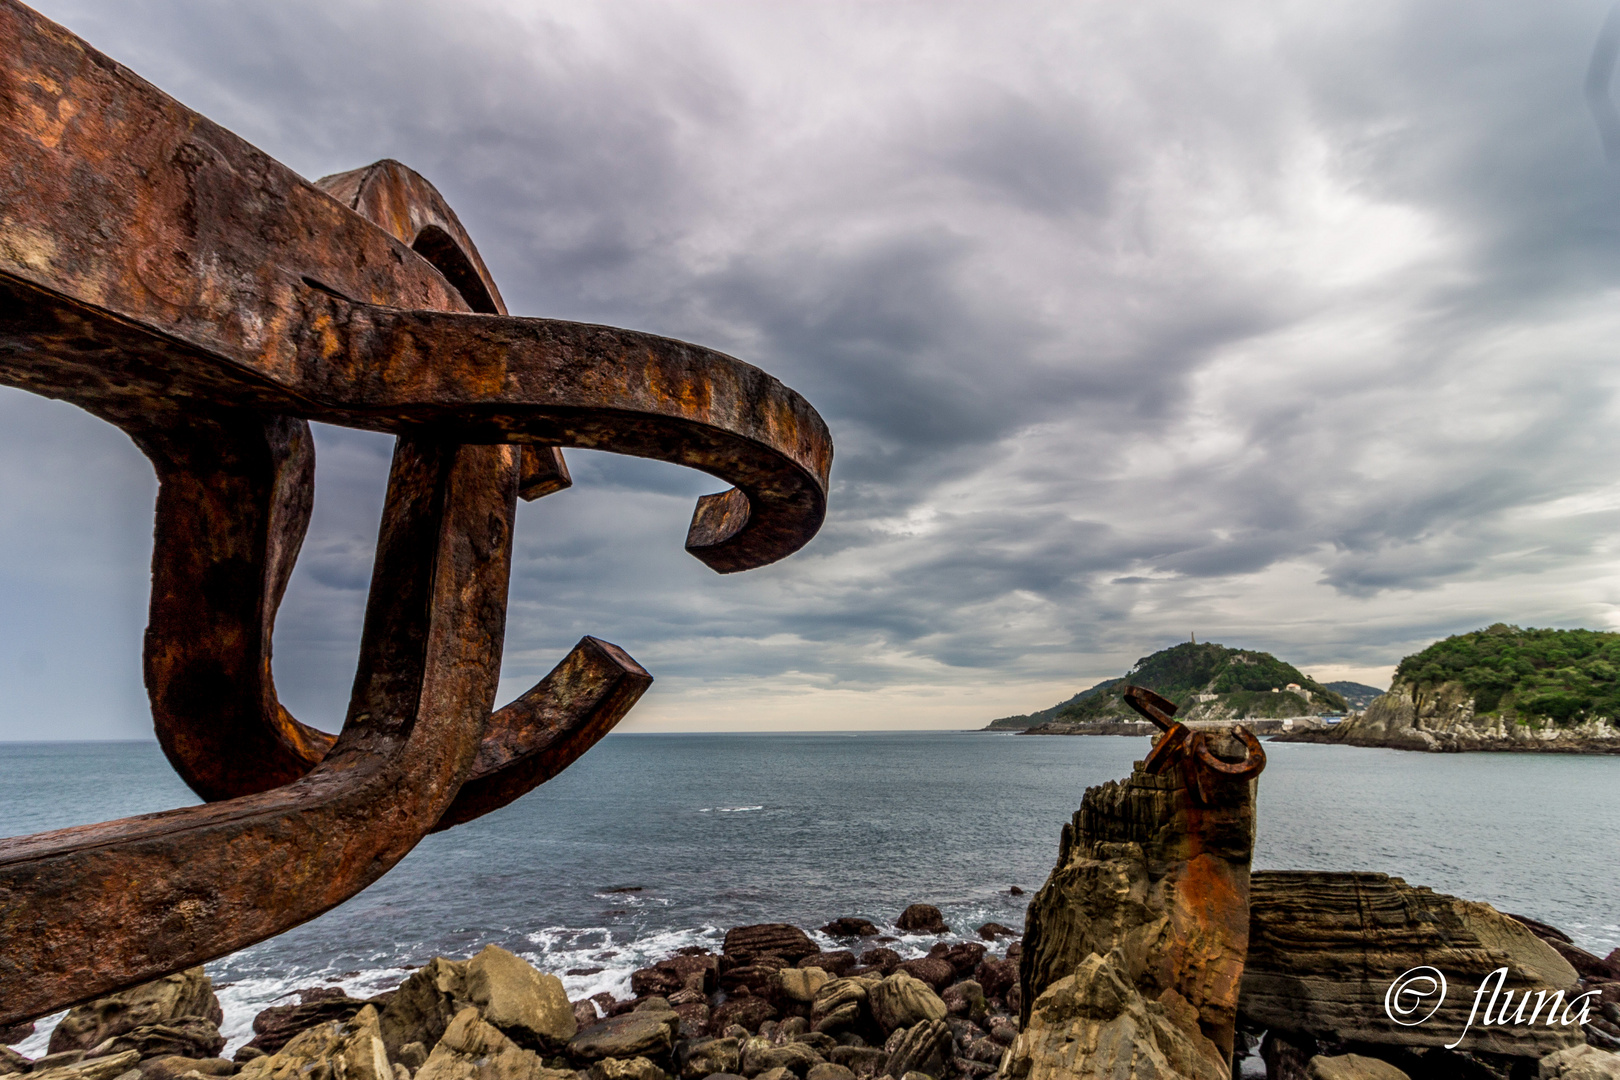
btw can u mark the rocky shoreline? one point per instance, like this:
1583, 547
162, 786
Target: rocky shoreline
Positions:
1445, 721
771, 1004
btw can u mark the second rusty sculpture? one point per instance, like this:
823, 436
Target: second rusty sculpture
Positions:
169, 278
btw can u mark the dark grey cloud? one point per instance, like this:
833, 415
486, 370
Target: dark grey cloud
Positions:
1289, 327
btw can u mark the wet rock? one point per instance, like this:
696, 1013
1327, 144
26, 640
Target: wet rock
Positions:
986, 1050
632, 1069
835, 963
112, 1067
161, 1001
187, 1036
759, 980
585, 1013
922, 919
885, 960
1096, 1023
702, 1057
173, 1067
801, 984
1003, 1030
1585, 964
849, 926
786, 941
996, 976
966, 999
747, 1013
336, 1050
697, 971
1324, 948
827, 1070
1579, 1063
923, 1047
424, 1004
655, 980
965, 957
1015, 891
933, 970
648, 1033
529, 1007
694, 1017
275, 1026
990, 931
901, 1001
860, 1060
762, 1055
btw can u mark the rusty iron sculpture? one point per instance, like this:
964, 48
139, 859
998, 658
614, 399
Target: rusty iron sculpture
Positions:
1190, 750
161, 273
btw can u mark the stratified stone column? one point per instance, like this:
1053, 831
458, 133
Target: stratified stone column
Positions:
1133, 949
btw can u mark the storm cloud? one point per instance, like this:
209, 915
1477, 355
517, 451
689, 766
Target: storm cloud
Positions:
1291, 326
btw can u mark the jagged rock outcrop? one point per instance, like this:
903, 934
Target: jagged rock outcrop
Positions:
335, 1050
1145, 869
1444, 719
1324, 949
161, 1001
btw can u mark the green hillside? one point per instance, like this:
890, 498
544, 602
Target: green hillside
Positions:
1563, 675
1357, 695
1242, 681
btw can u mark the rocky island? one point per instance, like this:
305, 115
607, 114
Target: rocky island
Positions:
1210, 684
1501, 688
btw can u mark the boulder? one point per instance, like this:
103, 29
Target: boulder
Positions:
964, 956
759, 980
745, 1012
424, 1004
835, 963
860, 1060
336, 1050
1096, 1024
849, 926
1579, 1063
705, 1056
829, 1071
1351, 1067
922, 919
885, 960
112, 1067
990, 931
275, 1026
187, 1036
934, 970
655, 980
762, 1055
996, 976
901, 1001
786, 941
1325, 948
923, 1047
1159, 873
632, 1069
172, 1068
649, 1033
473, 1049
529, 1007
966, 999
161, 1001
838, 1005
802, 984
986, 1050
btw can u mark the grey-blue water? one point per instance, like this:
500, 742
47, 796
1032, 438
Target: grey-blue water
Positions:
721, 830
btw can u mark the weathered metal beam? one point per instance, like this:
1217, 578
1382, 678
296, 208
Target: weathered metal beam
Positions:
164, 275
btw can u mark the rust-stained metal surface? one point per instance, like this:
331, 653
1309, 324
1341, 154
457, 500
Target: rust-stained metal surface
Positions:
169, 278
1190, 750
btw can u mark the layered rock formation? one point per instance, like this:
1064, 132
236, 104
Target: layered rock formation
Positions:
1325, 949
1133, 949
1444, 719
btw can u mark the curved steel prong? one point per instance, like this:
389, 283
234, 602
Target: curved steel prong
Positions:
1150, 705
1254, 757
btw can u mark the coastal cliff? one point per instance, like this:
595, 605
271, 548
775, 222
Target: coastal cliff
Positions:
1445, 719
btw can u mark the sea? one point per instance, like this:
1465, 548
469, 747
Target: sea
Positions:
654, 842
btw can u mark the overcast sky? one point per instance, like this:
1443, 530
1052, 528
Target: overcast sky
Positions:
1289, 325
